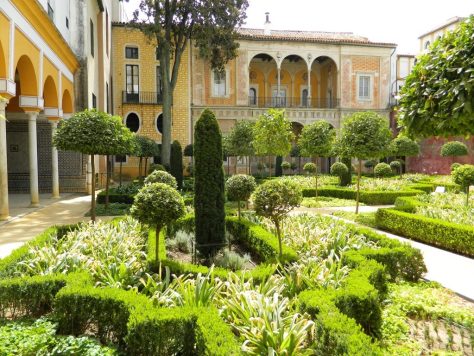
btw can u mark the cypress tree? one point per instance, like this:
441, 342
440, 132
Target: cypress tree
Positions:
176, 163
208, 185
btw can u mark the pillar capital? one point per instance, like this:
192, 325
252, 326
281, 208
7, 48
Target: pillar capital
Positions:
32, 115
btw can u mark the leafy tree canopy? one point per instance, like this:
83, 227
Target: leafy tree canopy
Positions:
404, 146
454, 148
160, 176
310, 167
364, 135
93, 132
239, 140
382, 169
438, 96
239, 187
145, 147
317, 139
339, 169
272, 134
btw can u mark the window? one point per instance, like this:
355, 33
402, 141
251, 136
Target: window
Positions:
131, 52
253, 96
159, 123
132, 122
94, 101
219, 87
364, 87
92, 37
106, 32
304, 98
120, 159
132, 83
51, 9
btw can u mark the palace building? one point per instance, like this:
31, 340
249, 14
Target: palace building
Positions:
58, 57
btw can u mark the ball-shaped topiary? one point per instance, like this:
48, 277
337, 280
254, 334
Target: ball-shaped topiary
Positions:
454, 166
370, 163
285, 165
157, 204
395, 165
382, 170
239, 187
454, 148
274, 200
309, 167
161, 177
464, 176
156, 167
339, 169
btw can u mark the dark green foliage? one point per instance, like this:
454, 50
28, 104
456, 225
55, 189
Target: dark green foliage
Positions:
161, 177
440, 233
464, 176
396, 165
404, 146
278, 167
188, 150
145, 147
310, 167
382, 170
156, 167
285, 165
114, 209
454, 166
115, 197
239, 188
370, 163
240, 139
454, 149
437, 98
176, 163
346, 179
208, 184
339, 169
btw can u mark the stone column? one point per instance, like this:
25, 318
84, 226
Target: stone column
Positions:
33, 155
54, 162
4, 209
278, 86
309, 87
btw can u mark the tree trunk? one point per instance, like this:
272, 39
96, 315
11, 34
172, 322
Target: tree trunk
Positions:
120, 174
277, 226
157, 244
358, 186
146, 167
316, 176
107, 181
93, 189
235, 164
167, 103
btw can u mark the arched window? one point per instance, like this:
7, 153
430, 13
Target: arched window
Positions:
159, 123
132, 122
253, 96
304, 98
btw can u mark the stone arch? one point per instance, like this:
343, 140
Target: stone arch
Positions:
67, 102
326, 91
50, 93
27, 79
263, 57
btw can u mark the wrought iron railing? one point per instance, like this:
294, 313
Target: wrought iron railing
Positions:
142, 97
294, 102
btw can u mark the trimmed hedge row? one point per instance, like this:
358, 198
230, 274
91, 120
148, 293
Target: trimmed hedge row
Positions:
115, 197
366, 197
453, 237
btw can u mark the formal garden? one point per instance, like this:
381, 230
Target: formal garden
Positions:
191, 261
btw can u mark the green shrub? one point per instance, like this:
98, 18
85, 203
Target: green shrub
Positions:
231, 260
396, 166
464, 176
309, 168
176, 163
382, 170
339, 169
449, 236
162, 177
454, 148
239, 188
454, 166
209, 196
285, 165
115, 197
156, 167
127, 189
370, 163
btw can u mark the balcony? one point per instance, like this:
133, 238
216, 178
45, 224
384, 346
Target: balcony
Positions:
142, 97
289, 102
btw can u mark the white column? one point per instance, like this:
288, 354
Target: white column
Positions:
33, 155
278, 85
54, 162
4, 210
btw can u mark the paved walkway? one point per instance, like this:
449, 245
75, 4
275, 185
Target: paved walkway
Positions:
453, 271
28, 223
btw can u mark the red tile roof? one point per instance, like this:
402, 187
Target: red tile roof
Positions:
309, 36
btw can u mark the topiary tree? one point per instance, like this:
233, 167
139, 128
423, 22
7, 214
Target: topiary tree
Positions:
309, 167
339, 169
437, 97
464, 176
92, 132
157, 204
145, 148
176, 163
239, 188
396, 166
285, 165
296, 152
156, 167
454, 149
272, 134
364, 135
382, 170
208, 184
403, 146
370, 164
346, 178
274, 200
317, 140
188, 150
240, 140
160, 176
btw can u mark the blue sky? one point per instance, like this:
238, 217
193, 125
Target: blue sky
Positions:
400, 21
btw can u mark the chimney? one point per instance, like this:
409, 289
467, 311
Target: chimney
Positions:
266, 29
